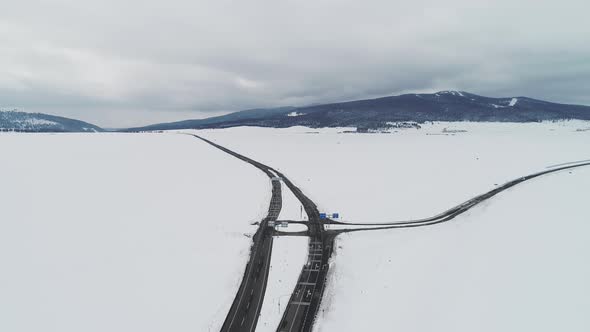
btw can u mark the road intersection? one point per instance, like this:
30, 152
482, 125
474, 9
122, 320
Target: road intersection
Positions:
300, 313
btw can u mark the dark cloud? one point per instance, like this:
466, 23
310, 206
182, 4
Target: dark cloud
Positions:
135, 62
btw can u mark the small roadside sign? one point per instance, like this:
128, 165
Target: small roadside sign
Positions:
329, 215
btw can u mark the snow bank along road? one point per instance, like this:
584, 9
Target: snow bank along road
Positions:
245, 309
305, 299
303, 305
93, 239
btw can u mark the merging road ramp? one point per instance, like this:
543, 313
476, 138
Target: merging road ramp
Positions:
245, 310
300, 313
303, 305
454, 211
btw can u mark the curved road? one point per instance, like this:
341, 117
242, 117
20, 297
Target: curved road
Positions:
454, 211
303, 305
245, 310
305, 299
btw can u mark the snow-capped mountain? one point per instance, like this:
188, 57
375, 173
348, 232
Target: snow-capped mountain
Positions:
38, 122
440, 106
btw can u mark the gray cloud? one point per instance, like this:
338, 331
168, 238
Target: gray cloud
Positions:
135, 62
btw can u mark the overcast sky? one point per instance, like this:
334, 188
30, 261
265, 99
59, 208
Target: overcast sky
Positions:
122, 63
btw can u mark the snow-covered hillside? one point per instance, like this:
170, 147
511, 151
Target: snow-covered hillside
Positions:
38, 122
376, 113
517, 262
122, 232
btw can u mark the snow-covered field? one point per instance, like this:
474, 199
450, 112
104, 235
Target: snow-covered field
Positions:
122, 232
517, 262
145, 232
409, 173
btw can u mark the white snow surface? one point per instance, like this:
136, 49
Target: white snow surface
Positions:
36, 122
515, 263
295, 114
291, 208
122, 232
453, 92
406, 174
513, 102
288, 256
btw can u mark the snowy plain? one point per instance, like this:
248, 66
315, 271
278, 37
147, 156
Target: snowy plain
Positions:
517, 262
125, 232
408, 173
122, 232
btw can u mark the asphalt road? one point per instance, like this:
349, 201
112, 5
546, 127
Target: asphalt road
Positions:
307, 295
454, 211
301, 311
305, 298
245, 310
